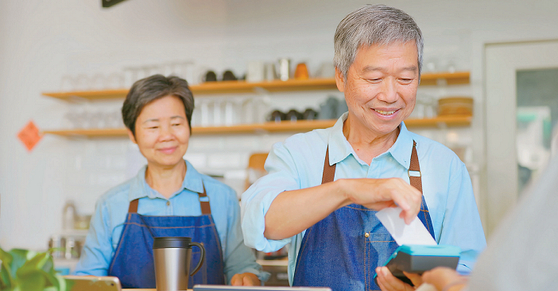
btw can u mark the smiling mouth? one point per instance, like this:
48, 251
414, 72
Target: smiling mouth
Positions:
385, 112
167, 150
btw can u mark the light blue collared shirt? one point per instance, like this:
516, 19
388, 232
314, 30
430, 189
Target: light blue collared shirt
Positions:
298, 163
111, 209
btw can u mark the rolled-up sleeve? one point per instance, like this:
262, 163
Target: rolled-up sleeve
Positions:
461, 225
282, 176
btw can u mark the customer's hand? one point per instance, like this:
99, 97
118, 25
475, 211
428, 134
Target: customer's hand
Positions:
378, 194
444, 279
388, 282
245, 279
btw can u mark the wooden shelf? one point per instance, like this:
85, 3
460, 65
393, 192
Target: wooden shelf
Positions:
228, 87
269, 127
440, 121
90, 132
224, 87
269, 86
433, 79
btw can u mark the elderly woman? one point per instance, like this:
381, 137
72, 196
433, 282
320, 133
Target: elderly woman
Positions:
168, 197
324, 187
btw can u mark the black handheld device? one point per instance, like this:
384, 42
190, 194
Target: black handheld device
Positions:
420, 258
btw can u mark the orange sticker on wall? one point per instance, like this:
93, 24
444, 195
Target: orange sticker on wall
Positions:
29, 135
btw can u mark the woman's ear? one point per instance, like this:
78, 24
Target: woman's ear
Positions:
339, 80
131, 135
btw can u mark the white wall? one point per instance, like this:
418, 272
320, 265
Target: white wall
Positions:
43, 41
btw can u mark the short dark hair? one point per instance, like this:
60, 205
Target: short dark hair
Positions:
152, 88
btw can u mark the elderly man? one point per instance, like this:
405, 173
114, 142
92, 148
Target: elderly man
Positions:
324, 187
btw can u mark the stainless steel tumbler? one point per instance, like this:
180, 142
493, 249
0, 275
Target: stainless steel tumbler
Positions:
172, 257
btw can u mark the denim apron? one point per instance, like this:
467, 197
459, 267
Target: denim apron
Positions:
133, 260
343, 250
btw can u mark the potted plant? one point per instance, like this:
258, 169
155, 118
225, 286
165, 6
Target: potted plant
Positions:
24, 270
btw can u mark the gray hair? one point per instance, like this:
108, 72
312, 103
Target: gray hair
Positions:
373, 24
152, 88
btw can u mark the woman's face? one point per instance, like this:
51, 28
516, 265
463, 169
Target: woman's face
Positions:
162, 132
381, 86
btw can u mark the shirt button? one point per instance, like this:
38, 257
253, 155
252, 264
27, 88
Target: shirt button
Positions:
168, 203
366, 234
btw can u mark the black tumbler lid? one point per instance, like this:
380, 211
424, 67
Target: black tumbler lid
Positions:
171, 242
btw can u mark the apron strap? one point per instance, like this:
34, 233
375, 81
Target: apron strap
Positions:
414, 169
133, 208
204, 202
329, 171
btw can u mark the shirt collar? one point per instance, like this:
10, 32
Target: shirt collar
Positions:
403, 146
340, 148
139, 187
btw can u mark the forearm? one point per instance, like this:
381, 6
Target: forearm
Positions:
92, 262
294, 211
291, 212
97, 250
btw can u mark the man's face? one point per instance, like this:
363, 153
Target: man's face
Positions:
381, 86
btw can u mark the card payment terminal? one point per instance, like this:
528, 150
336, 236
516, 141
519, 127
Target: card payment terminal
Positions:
420, 258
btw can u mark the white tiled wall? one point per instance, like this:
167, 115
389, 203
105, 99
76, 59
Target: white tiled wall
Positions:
43, 41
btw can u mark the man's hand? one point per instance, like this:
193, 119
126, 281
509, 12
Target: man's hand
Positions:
388, 282
245, 279
378, 194
294, 211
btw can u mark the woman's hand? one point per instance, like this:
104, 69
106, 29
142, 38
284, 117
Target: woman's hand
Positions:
245, 279
388, 282
444, 279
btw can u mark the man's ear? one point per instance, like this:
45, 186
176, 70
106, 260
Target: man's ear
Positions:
131, 135
339, 80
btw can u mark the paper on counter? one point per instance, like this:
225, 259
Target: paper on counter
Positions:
412, 234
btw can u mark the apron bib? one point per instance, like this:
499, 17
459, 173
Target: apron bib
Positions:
133, 260
343, 250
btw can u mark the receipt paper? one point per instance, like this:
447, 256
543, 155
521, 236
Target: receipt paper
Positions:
412, 234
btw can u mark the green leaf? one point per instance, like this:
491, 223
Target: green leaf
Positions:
53, 280
5, 257
33, 264
24, 270
62, 283
6, 278
32, 281
19, 257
